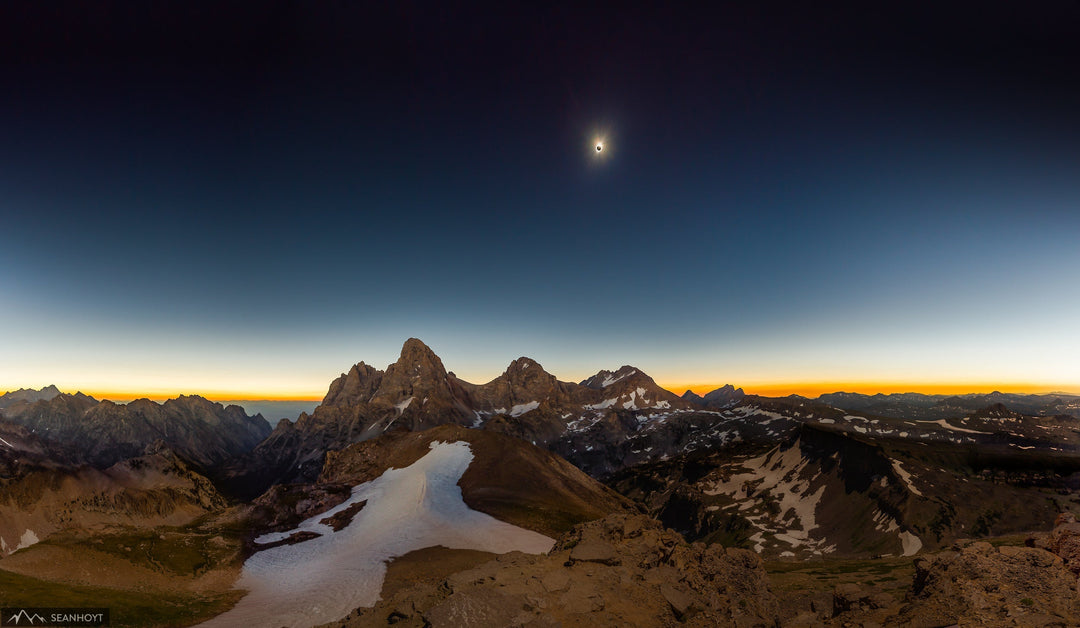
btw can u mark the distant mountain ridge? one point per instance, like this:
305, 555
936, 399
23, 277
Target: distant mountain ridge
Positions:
918, 405
101, 433
28, 395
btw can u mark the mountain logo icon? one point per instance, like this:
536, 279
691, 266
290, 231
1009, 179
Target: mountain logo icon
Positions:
31, 619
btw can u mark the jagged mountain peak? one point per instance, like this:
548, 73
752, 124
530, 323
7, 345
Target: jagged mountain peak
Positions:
524, 370
605, 378
692, 397
723, 397
414, 352
725, 393
417, 364
523, 363
356, 386
28, 395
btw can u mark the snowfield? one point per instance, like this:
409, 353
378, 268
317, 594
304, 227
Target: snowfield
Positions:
325, 578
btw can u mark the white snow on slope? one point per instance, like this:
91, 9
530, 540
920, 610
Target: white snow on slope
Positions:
611, 379
745, 411
28, 538
906, 477
522, 408
778, 473
7, 443
911, 543
404, 404
607, 403
325, 578
945, 424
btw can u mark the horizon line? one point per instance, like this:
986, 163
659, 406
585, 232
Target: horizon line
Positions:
811, 390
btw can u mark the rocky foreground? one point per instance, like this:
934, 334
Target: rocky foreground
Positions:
627, 570
622, 570
975, 583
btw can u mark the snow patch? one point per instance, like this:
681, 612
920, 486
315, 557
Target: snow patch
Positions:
28, 538
323, 579
945, 424
884, 523
906, 477
911, 543
779, 475
522, 408
607, 403
611, 379
404, 404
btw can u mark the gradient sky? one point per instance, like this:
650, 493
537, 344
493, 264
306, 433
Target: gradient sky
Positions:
244, 203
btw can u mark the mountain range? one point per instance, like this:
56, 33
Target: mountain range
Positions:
843, 477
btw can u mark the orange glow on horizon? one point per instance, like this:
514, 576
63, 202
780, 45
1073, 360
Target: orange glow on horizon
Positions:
765, 389
815, 389
164, 395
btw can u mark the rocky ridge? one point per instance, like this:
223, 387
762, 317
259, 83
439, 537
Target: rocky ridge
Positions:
82, 430
28, 395
416, 393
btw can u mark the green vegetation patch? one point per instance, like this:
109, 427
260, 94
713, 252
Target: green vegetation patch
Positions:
173, 551
126, 608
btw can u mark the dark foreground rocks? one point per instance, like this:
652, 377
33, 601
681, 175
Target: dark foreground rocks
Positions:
623, 570
981, 585
975, 583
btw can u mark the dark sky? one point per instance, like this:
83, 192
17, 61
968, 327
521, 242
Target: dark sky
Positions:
251, 199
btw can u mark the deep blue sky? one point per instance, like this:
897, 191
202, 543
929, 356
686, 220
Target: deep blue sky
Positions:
229, 200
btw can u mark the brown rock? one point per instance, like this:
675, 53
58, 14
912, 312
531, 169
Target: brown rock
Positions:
594, 551
980, 585
1064, 541
682, 603
476, 608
